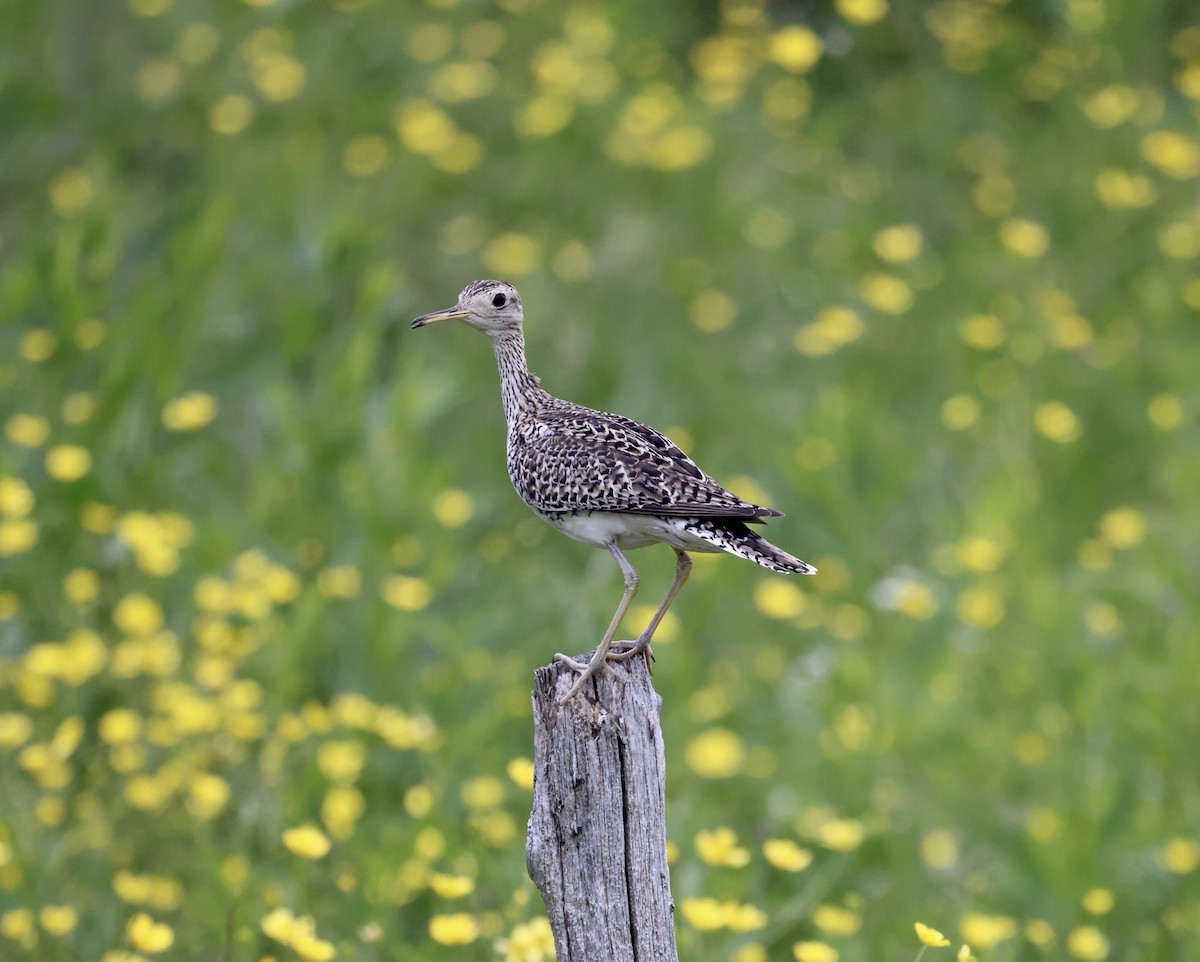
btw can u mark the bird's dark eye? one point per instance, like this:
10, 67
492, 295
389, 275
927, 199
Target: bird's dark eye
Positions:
498, 300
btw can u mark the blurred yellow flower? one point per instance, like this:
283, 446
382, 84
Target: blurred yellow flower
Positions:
459, 928
483, 792
521, 771
407, 594
703, 914
307, 841
78, 407
1180, 240
1044, 825
27, 430
451, 886
719, 846
531, 941
1088, 943
119, 725
1025, 238
982, 931
816, 454
836, 920
814, 952
189, 412
37, 344
833, 327
231, 114
15, 729
983, 331
930, 937
18, 925
1123, 190
886, 293
1031, 749
430, 844
939, 849
899, 243
679, 148
430, 42
750, 952
746, 918
715, 753
149, 936
1098, 901
339, 581
1111, 105
157, 79
70, 191
1056, 421
1039, 932
138, 614
197, 43
341, 761
365, 156
10, 605
278, 924
796, 48
639, 617
862, 13
278, 76
463, 80
17, 536
779, 598
712, 311
840, 834
980, 553
1165, 411
453, 507
786, 855
768, 228
58, 919
1180, 855
158, 891
980, 607
1103, 619
512, 255
1123, 527
1172, 153
342, 807
68, 462
98, 518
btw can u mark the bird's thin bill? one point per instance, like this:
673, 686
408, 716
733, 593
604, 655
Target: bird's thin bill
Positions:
449, 314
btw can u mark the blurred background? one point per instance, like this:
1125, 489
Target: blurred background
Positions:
923, 276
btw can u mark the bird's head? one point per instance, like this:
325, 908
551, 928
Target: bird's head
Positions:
488, 306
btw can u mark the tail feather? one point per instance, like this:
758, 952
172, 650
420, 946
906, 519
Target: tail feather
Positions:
736, 538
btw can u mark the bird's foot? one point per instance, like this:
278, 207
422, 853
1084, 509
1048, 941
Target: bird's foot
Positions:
631, 649
585, 669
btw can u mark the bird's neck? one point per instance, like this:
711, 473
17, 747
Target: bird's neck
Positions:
519, 389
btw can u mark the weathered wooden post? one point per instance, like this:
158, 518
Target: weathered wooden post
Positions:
597, 843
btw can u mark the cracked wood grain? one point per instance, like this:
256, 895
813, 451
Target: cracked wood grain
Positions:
597, 842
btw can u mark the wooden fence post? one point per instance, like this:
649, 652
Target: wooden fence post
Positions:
597, 843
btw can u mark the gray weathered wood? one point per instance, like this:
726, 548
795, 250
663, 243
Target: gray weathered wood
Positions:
597, 844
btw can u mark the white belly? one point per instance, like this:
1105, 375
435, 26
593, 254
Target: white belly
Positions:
600, 528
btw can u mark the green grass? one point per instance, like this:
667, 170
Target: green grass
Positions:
983, 705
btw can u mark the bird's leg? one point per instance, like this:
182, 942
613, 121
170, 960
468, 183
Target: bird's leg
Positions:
683, 567
598, 662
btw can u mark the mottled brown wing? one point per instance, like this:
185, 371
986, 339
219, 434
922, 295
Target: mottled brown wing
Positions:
588, 460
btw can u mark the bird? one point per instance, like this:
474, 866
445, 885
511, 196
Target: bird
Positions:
606, 480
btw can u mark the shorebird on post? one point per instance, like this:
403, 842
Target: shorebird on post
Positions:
606, 480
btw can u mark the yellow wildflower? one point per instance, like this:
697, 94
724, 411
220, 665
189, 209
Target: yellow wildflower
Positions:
307, 841
931, 937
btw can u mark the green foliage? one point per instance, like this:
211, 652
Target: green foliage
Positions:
921, 276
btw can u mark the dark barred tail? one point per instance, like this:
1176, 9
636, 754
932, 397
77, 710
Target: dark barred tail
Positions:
736, 538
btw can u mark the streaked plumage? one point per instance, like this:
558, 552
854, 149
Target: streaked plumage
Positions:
604, 479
